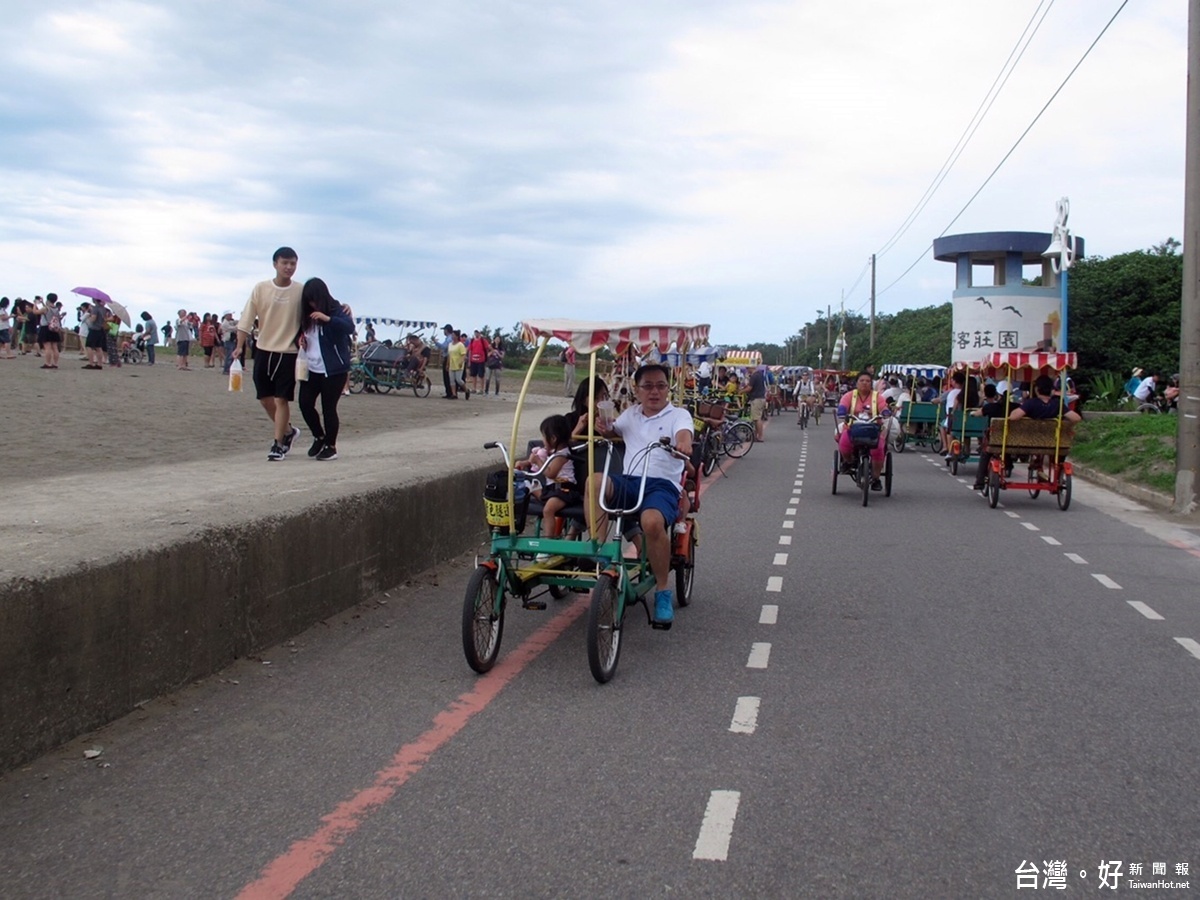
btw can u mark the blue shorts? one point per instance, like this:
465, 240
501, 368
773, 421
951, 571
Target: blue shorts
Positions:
661, 494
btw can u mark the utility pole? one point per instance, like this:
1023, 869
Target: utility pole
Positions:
1187, 442
872, 301
828, 328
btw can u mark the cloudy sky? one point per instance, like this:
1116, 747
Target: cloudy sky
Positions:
483, 162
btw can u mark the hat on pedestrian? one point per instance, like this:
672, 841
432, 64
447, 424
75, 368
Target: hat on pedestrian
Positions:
1137, 373
447, 328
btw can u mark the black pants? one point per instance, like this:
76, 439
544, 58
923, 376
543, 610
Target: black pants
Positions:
329, 389
446, 378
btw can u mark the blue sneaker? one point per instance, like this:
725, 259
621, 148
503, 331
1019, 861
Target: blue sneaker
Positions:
664, 607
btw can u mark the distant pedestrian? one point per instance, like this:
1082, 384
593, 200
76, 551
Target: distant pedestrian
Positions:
150, 331
5, 330
97, 322
444, 346
168, 333
568, 358
495, 365
458, 359
183, 341
477, 354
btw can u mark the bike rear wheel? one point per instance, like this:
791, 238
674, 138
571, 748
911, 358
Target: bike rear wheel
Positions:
358, 381
739, 440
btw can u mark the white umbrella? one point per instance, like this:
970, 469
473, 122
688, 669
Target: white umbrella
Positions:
121, 311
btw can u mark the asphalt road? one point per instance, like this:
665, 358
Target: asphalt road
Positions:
913, 699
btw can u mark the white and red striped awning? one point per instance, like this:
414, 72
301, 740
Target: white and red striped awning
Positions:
1019, 359
588, 337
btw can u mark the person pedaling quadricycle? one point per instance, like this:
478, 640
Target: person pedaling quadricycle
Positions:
652, 498
862, 453
1037, 434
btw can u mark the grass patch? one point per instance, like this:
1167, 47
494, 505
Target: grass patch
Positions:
1139, 449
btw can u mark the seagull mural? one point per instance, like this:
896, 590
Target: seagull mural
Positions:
1013, 308
984, 300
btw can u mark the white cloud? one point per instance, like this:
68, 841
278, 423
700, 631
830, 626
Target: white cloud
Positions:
484, 162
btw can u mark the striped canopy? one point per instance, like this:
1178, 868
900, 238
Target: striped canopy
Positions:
917, 370
1043, 363
735, 357
588, 337
409, 324
802, 371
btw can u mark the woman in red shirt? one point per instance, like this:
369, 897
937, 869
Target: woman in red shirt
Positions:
208, 338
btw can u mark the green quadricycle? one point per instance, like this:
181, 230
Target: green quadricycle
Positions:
526, 563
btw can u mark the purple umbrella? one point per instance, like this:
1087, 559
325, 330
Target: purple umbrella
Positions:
94, 293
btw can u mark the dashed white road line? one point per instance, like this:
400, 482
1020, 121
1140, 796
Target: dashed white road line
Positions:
775, 584
760, 653
1030, 526
1051, 541
789, 524
780, 559
1145, 610
1190, 646
1106, 581
769, 614
785, 539
793, 500
745, 715
1012, 515
1076, 558
717, 828
797, 490
790, 512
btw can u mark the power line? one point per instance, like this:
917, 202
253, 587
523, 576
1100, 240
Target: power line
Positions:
1013, 148
985, 106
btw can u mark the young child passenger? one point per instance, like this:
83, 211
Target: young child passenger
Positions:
561, 489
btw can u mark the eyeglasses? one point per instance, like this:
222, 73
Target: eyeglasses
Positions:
654, 386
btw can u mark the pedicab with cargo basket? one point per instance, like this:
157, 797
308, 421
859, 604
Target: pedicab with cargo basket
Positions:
526, 564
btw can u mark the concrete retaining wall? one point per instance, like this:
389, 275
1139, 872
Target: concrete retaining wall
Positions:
82, 649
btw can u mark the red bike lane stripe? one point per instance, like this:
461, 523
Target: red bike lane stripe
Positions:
282, 875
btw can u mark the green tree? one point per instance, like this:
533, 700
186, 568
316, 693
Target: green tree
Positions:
1124, 311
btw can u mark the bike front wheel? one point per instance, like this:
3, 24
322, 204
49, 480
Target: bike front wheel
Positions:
358, 381
482, 620
422, 386
604, 629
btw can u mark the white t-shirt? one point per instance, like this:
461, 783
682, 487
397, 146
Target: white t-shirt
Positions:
640, 431
312, 350
1145, 390
704, 370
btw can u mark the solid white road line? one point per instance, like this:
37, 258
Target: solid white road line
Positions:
1051, 541
759, 654
717, 827
1145, 610
1107, 582
785, 539
1190, 646
775, 584
780, 559
1030, 526
1076, 558
769, 614
745, 715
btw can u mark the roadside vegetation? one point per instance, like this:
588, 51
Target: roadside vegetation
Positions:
1138, 449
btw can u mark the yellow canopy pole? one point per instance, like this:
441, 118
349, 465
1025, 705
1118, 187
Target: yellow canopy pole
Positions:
516, 427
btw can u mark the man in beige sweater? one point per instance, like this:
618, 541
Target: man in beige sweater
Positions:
275, 306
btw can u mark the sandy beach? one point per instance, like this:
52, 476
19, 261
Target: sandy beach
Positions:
72, 419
